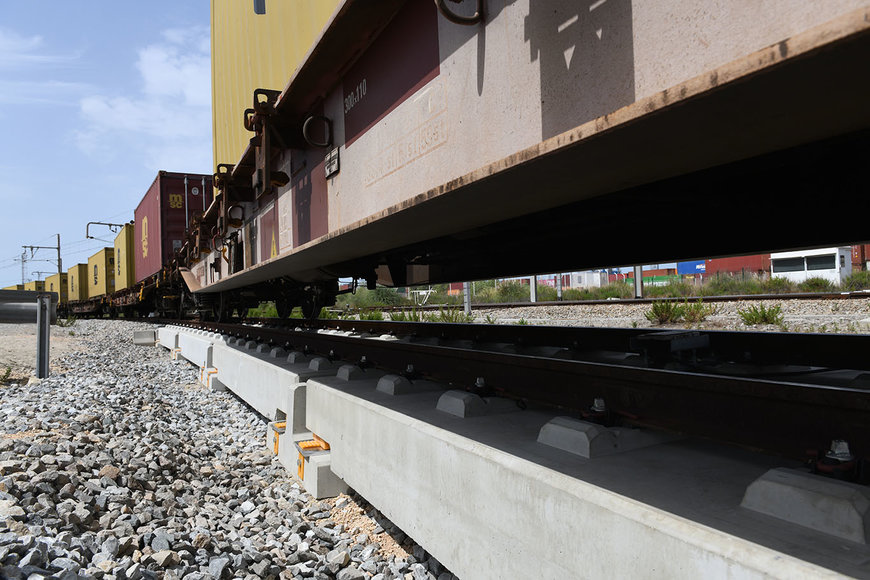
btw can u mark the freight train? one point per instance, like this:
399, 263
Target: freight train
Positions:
140, 275
419, 142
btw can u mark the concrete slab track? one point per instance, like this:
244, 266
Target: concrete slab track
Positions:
477, 488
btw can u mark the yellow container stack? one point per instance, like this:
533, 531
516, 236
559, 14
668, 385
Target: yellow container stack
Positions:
101, 273
125, 274
78, 282
58, 283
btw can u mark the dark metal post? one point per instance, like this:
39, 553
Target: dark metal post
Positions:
43, 332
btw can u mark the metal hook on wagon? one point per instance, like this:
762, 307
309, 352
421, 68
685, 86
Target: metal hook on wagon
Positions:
306, 127
456, 18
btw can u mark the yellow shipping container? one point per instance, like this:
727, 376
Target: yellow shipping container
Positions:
101, 273
15, 287
78, 282
251, 51
36, 285
125, 274
58, 283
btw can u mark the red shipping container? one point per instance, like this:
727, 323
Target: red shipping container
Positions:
160, 220
738, 264
860, 256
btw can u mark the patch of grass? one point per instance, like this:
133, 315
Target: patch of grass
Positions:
730, 286
450, 316
777, 285
365, 298
672, 289
522, 322
327, 314
70, 321
263, 310
6, 374
856, 281
816, 284
695, 312
665, 312
371, 315
548, 294
489, 319
759, 314
412, 315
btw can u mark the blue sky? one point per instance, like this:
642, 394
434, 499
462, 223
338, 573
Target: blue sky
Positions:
96, 96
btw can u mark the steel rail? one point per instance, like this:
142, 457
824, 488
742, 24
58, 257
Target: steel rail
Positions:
781, 417
855, 294
837, 351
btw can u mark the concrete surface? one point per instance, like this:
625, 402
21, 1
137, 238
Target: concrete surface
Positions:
487, 499
144, 337
838, 508
271, 381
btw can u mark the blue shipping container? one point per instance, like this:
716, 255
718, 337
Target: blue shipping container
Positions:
696, 267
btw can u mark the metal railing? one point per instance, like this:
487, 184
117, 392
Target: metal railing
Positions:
25, 306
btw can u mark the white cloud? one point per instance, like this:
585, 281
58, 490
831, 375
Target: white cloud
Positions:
55, 93
169, 121
24, 52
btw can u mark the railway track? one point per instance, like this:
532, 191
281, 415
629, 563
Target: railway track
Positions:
782, 393
857, 294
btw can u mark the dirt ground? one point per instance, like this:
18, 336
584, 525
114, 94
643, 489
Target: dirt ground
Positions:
18, 349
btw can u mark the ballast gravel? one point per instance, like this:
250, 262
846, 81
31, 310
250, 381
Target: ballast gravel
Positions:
120, 466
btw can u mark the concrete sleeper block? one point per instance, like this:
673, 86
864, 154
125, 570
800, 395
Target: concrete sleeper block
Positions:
462, 404
350, 373
145, 337
399, 385
590, 440
578, 437
297, 357
833, 507
320, 364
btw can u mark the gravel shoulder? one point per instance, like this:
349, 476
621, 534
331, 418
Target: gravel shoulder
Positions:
120, 465
832, 316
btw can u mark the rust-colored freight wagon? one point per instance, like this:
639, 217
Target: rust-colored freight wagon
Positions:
161, 220
58, 283
100, 275
78, 282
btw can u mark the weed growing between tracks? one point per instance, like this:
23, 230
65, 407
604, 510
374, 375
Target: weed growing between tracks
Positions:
669, 312
758, 314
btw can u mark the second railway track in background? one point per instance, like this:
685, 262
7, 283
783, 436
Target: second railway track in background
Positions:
781, 393
857, 294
